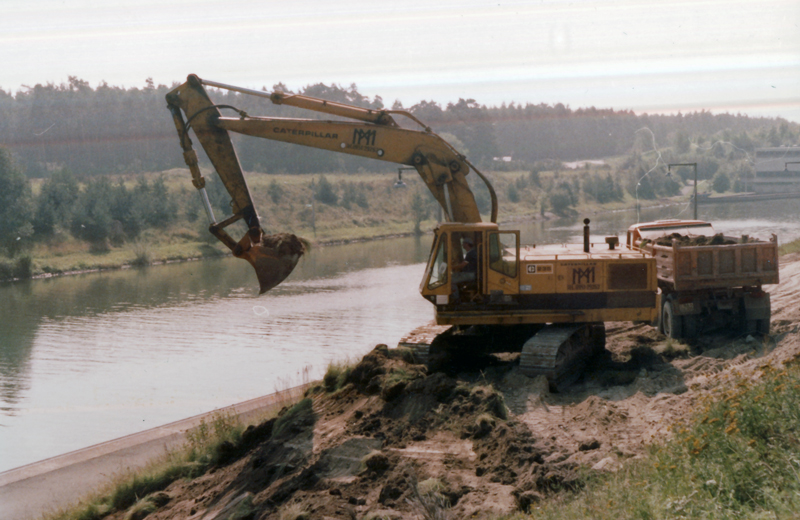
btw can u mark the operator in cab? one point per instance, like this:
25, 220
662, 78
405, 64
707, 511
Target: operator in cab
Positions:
467, 270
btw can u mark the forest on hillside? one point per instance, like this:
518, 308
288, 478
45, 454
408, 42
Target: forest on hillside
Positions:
96, 131
80, 142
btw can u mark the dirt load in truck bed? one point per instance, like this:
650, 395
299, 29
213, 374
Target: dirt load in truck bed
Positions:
695, 240
479, 440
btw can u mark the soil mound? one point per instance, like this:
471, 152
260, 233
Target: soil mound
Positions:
392, 442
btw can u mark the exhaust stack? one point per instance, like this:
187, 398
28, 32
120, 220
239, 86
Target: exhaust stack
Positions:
586, 235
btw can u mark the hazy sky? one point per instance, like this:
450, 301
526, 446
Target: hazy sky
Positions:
652, 56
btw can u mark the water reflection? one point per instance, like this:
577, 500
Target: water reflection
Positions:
87, 358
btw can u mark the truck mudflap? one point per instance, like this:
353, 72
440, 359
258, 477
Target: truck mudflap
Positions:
757, 312
757, 306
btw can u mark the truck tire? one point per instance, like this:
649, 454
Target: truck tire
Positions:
671, 323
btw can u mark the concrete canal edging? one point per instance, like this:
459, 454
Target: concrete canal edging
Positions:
28, 492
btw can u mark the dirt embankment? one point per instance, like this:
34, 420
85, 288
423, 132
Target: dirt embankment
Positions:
397, 442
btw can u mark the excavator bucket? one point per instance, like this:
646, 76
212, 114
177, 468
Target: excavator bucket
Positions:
273, 258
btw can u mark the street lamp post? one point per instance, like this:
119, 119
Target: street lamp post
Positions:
694, 165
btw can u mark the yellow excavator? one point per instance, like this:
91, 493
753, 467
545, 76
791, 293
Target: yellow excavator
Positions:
490, 293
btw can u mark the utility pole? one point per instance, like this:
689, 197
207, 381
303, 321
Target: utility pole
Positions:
694, 165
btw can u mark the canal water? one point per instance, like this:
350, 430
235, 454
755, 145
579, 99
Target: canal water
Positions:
88, 358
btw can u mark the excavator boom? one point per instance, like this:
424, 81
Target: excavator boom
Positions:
372, 133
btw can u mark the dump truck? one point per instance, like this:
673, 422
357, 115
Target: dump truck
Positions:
708, 280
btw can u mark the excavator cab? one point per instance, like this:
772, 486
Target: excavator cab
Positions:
471, 264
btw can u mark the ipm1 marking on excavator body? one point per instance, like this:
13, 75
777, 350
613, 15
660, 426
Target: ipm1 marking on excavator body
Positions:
583, 276
579, 275
364, 137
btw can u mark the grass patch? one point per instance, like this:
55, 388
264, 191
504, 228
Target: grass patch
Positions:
141, 254
141, 492
739, 457
490, 399
791, 247
427, 500
672, 349
404, 353
400, 375
293, 512
207, 443
336, 375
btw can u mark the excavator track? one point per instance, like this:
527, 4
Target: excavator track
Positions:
421, 339
560, 352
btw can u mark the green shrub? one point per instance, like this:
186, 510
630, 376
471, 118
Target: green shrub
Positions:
23, 267
141, 254
324, 192
20, 268
6, 270
721, 182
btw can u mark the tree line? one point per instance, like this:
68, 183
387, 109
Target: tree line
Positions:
95, 131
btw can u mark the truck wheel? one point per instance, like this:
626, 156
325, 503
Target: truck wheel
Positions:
670, 322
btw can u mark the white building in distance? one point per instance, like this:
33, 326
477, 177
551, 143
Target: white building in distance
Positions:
777, 170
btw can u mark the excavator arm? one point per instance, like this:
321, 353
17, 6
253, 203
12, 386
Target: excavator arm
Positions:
273, 257
371, 133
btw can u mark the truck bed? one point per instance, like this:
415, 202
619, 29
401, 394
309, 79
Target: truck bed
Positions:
754, 263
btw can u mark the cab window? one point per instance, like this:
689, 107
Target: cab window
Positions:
439, 271
503, 253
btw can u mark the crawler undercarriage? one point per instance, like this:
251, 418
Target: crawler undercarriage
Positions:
559, 352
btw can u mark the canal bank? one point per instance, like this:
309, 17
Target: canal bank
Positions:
56, 483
